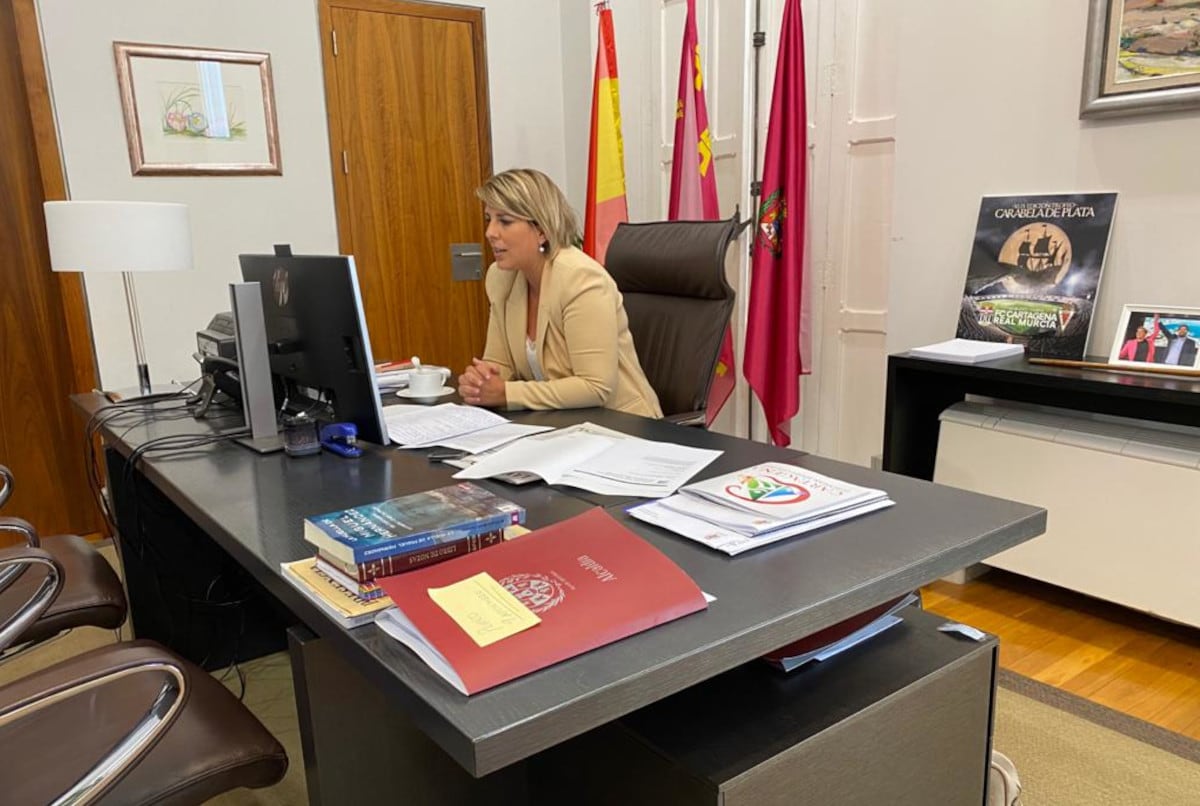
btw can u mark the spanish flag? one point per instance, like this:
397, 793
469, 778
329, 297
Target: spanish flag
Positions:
606, 157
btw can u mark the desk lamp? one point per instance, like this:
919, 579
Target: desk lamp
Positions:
96, 236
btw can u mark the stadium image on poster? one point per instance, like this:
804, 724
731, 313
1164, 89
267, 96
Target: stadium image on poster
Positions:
1035, 270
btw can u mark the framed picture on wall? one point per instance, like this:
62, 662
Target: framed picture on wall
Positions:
1163, 338
197, 111
1142, 56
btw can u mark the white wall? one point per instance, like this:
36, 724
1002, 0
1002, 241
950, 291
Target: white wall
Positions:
988, 103
248, 214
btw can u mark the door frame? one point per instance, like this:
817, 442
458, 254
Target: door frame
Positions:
54, 188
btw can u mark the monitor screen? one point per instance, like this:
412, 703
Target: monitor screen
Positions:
317, 339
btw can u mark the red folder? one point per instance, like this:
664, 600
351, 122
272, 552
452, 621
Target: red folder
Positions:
591, 581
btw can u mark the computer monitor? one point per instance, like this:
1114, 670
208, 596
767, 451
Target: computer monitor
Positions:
317, 340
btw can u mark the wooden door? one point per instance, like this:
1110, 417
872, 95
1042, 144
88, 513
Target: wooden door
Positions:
407, 93
45, 348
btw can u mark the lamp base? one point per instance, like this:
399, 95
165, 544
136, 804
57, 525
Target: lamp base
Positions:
158, 391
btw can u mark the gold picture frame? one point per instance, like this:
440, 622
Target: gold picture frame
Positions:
197, 111
1140, 58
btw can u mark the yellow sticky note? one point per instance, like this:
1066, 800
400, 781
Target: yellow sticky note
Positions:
484, 608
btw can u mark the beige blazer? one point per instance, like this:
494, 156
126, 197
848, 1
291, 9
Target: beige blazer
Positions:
583, 341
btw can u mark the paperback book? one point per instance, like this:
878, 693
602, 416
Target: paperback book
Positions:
410, 523
339, 602
771, 495
1035, 270
588, 579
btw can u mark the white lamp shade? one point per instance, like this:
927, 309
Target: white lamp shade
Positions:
118, 236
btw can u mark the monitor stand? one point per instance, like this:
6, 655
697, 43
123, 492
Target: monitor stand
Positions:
254, 369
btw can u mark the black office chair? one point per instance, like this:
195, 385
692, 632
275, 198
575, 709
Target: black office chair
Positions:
672, 276
128, 723
89, 593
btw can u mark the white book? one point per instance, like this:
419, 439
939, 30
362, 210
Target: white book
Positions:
967, 351
661, 513
773, 494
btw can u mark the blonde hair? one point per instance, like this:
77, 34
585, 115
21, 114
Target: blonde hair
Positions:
533, 196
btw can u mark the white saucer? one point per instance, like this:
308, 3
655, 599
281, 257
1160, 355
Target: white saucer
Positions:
408, 393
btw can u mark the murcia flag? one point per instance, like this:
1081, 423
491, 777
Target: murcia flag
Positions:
605, 206
694, 183
777, 325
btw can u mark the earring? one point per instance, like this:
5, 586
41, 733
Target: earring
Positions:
542, 248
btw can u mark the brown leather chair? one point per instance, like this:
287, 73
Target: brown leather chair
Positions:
90, 595
127, 724
672, 276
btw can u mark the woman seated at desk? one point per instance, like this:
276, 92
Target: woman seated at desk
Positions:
558, 336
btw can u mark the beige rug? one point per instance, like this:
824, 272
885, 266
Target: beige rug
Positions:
1072, 752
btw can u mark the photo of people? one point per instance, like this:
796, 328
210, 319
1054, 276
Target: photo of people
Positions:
1165, 337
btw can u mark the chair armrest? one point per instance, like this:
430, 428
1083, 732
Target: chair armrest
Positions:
693, 418
13, 563
6, 484
22, 528
159, 716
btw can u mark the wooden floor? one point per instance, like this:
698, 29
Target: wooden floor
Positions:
1130, 662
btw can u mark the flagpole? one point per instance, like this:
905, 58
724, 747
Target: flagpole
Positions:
759, 41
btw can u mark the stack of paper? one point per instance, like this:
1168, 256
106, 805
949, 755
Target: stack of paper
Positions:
597, 459
760, 505
392, 374
967, 351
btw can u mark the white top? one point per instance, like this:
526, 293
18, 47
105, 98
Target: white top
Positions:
531, 356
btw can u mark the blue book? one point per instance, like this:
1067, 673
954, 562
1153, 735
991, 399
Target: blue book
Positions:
410, 523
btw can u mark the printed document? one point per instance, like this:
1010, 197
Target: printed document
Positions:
466, 428
593, 458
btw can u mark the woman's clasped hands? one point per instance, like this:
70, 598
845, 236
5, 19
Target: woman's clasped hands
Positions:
481, 384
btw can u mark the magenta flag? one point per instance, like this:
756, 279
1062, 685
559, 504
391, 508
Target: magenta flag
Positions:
777, 325
694, 183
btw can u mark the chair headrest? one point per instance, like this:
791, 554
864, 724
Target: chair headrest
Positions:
677, 258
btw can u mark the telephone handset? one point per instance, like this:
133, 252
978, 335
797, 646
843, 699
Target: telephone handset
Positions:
218, 374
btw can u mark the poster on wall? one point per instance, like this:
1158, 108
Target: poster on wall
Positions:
1035, 271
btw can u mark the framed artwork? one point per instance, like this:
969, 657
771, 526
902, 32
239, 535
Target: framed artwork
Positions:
1142, 56
1163, 338
197, 111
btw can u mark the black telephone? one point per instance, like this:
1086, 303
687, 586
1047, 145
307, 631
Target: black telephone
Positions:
217, 374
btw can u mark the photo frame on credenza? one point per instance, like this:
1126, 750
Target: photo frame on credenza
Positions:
197, 110
1140, 58
1157, 337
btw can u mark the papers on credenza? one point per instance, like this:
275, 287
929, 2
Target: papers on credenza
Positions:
466, 428
967, 351
597, 459
760, 505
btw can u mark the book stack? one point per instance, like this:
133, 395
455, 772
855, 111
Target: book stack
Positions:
760, 505
356, 547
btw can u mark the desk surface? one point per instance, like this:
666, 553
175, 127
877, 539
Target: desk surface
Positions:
254, 506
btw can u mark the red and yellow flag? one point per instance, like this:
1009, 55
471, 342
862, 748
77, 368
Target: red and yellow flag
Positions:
605, 206
694, 184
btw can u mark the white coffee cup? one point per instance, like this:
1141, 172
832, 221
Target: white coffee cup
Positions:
427, 381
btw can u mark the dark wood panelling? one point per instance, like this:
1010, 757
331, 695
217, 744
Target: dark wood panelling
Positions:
43, 323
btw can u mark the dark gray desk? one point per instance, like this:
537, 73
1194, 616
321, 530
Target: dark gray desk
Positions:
253, 507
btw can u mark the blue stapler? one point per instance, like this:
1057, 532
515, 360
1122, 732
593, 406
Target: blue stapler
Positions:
341, 438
